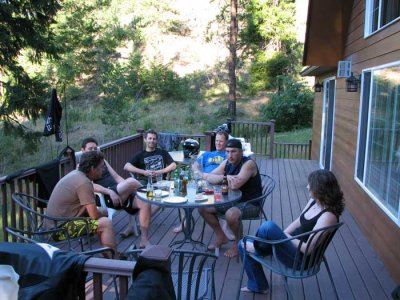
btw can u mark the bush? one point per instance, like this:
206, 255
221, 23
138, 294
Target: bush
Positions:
292, 108
264, 71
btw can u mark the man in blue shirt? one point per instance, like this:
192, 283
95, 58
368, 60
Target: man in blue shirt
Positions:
210, 160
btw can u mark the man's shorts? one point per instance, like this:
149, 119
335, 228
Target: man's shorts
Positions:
77, 228
248, 211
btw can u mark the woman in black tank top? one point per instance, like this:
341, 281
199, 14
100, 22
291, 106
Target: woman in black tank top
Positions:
323, 209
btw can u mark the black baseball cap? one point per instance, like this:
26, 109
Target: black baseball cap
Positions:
234, 143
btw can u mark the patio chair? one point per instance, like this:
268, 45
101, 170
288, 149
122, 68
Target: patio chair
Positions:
192, 273
305, 264
268, 185
132, 218
41, 228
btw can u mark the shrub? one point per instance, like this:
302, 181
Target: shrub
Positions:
292, 108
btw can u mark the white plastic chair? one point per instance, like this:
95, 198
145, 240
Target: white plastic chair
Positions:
111, 211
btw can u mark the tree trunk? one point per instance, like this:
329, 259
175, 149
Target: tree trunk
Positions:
232, 60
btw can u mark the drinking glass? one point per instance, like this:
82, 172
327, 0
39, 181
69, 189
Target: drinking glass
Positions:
191, 190
157, 194
217, 193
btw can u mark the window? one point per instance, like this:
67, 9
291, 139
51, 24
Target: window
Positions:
378, 151
380, 13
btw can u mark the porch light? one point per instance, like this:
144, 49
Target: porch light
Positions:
352, 83
318, 87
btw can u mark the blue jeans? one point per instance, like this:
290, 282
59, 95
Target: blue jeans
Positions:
257, 282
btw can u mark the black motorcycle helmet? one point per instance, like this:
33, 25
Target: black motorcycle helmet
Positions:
190, 147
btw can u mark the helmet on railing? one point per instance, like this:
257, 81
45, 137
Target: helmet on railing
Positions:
190, 147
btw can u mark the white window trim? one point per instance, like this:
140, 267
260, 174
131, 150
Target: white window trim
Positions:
394, 218
325, 83
368, 20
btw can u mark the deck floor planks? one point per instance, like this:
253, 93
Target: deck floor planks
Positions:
357, 272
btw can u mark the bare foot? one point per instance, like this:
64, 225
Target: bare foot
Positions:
231, 252
126, 233
144, 244
177, 229
218, 243
246, 290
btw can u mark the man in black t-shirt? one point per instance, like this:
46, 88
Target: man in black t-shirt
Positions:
151, 161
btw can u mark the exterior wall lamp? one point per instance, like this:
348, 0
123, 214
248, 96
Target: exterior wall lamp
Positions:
352, 83
318, 87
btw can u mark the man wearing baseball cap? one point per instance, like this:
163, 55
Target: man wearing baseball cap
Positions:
242, 173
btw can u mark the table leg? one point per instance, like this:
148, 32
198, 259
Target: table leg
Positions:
188, 229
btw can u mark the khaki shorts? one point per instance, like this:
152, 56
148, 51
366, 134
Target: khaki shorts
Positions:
76, 229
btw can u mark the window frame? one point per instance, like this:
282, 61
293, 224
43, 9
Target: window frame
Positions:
369, 10
363, 136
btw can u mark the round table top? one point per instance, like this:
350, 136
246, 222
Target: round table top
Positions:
232, 197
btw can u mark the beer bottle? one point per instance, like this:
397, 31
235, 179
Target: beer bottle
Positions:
150, 188
224, 185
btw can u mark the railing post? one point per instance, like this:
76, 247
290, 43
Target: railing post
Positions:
309, 149
272, 138
209, 140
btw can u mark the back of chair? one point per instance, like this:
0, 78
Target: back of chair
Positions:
308, 263
268, 185
32, 214
193, 274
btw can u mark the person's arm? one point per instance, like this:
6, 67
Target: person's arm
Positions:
216, 175
296, 223
114, 174
115, 198
171, 167
326, 219
131, 168
248, 170
92, 211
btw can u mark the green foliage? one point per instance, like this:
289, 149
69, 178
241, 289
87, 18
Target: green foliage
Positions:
292, 108
264, 72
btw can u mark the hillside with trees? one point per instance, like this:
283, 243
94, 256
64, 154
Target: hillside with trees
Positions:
119, 65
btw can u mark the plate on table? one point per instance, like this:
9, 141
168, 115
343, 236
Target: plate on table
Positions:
175, 200
201, 198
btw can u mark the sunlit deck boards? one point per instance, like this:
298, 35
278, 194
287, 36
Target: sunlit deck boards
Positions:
357, 272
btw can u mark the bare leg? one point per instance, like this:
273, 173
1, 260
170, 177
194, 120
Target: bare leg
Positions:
179, 228
211, 219
106, 234
125, 189
232, 216
144, 220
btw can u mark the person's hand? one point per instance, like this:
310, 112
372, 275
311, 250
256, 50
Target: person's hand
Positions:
115, 198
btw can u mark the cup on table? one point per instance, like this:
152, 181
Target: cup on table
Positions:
159, 178
157, 194
217, 193
191, 190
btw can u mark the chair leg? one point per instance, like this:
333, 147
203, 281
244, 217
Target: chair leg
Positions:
133, 224
241, 278
288, 293
330, 277
202, 231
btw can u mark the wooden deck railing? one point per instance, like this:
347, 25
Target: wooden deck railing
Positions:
118, 152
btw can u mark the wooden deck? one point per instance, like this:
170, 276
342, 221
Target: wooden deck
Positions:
356, 269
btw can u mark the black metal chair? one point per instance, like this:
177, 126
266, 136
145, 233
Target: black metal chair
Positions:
192, 273
268, 185
306, 263
41, 228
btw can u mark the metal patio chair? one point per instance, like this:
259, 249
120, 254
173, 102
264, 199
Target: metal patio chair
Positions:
192, 273
41, 228
268, 185
305, 264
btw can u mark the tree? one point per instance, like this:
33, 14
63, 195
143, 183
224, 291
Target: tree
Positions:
24, 26
232, 60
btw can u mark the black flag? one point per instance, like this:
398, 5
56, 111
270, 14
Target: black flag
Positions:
53, 119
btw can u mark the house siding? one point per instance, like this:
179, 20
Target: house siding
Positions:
378, 49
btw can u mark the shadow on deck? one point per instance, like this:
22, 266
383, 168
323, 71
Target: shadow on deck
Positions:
356, 269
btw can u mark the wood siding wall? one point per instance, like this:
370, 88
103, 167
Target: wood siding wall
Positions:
378, 49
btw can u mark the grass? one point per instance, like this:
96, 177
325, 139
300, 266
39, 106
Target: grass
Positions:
296, 136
